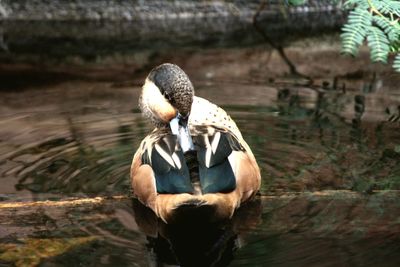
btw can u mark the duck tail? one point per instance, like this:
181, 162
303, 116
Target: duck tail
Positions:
210, 207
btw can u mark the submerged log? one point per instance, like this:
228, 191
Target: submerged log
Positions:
342, 207
95, 28
63, 231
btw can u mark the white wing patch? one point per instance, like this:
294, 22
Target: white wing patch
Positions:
176, 160
232, 161
165, 155
172, 160
208, 151
211, 148
215, 142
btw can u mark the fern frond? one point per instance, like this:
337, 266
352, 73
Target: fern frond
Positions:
355, 3
378, 22
396, 63
387, 6
378, 43
355, 30
392, 32
395, 47
295, 2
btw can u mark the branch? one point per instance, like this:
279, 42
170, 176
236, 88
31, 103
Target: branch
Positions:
279, 48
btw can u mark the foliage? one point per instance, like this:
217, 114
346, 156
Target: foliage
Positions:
296, 2
396, 64
31, 251
376, 21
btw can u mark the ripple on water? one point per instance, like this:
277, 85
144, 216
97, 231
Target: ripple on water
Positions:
304, 139
336, 228
66, 147
87, 160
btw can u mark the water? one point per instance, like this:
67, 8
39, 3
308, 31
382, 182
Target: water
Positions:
72, 140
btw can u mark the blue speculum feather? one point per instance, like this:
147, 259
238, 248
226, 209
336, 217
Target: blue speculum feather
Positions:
169, 179
215, 176
218, 178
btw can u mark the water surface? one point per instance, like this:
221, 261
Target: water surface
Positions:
72, 139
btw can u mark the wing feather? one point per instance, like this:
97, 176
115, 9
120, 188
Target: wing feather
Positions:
168, 162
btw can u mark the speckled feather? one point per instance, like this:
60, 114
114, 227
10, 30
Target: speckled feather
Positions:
214, 118
205, 113
208, 122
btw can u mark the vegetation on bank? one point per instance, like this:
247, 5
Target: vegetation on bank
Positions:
375, 22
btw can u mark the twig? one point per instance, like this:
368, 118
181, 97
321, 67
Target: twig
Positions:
277, 47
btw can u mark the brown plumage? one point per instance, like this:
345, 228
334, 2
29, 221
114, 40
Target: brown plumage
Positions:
164, 175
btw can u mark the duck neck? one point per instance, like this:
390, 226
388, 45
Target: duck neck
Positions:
180, 128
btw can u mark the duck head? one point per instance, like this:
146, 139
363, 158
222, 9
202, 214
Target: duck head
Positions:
166, 99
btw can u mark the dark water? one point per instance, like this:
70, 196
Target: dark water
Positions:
75, 139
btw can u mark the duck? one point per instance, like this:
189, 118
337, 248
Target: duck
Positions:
195, 157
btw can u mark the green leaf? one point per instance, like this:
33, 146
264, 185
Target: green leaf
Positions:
396, 63
395, 46
355, 30
355, 3
391, 31
378, 22
296, 2
387, 6
378, 43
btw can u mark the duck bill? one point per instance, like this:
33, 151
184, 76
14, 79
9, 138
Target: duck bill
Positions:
181, 130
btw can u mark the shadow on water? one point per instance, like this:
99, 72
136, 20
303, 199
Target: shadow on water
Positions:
193, 240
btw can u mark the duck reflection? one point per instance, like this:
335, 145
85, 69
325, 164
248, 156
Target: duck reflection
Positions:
194, 238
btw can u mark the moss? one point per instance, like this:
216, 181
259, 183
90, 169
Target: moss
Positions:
32, 250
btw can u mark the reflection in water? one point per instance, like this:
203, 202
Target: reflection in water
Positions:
334, 228
192, 240
78, 138
302, 138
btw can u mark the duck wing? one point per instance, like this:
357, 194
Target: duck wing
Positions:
215, 161
216, 139
169, 166
214, 166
